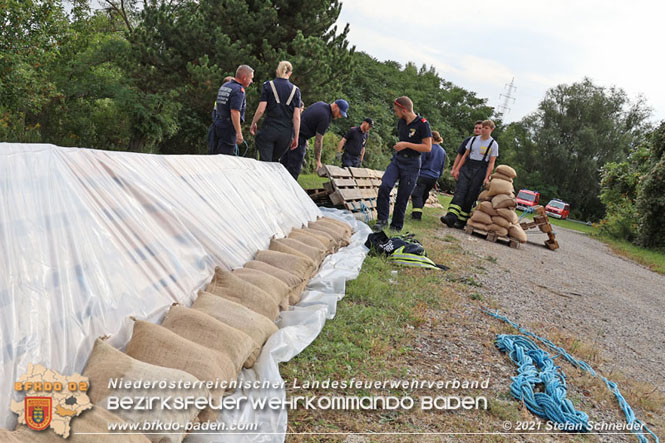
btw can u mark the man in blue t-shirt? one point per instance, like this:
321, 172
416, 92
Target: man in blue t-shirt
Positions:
229, 112
314, 121
415, 137
431, 169
354, 143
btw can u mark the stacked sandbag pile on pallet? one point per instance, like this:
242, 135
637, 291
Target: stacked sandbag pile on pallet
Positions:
222, 332
495, 212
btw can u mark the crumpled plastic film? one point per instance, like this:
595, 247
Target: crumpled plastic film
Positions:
298, 328
88, 238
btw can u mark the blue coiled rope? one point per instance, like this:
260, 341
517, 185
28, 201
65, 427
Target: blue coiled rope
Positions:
625, 407
536, 367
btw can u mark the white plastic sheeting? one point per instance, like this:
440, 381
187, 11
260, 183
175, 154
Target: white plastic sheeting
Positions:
88, 238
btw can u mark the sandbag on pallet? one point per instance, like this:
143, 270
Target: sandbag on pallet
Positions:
95, 421
157, 345
479, 216
266, 282
207, 331
225, 284
107, 363
257, 326
301, 267
296, 284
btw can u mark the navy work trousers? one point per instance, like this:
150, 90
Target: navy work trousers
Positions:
406, 170
292, 159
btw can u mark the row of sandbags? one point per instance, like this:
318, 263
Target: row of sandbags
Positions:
495, 211
222, 332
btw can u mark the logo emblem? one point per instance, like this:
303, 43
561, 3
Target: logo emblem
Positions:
38, 412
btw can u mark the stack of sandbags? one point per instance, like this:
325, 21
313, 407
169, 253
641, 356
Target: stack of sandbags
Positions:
496, 210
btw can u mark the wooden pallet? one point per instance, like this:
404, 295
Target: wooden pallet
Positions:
492, 236
541, 222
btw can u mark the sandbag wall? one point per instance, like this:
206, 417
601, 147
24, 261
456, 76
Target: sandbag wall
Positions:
222, 332
495, 211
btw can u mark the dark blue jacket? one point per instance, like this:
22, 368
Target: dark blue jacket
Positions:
433, 162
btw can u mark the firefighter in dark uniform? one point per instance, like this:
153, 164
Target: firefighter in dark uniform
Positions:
415, 136
314, 122
280, 101
229, 112
432, 166
353, 144
473, 170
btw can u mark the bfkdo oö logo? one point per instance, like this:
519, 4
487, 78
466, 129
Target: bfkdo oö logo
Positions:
38, 412
51, 400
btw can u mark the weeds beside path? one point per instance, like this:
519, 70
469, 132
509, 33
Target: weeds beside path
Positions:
428, 326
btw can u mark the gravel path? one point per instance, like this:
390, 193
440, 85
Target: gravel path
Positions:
584, 289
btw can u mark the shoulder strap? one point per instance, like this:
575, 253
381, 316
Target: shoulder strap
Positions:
489, 148
274, 91
293, 93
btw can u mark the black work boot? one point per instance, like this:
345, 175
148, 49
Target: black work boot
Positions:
416, 215
449, 220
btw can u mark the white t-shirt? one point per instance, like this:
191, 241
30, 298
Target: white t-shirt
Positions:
479, 148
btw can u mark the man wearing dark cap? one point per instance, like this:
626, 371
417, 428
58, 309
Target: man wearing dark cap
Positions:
315, 121
354, 143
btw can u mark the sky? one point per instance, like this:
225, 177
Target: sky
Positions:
483, 45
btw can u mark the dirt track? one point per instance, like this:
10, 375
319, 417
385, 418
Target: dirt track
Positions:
609, 302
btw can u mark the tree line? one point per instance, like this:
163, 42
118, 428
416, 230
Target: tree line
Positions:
142, 76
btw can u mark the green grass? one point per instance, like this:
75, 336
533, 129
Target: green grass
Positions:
311, 181
652, 259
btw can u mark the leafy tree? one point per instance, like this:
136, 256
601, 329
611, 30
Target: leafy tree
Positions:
577, 129
651, 199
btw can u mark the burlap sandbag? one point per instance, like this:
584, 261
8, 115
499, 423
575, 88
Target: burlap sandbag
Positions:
336, 232
498, 186
347, 228
157, 345
506, 170
300, 267
95, 420
296, 284
487, 208
509, 214
233, 288
266, 282
517, 233
481, 217
499, 230
314, 254
503, 201
311, 241
107, 363
281, 247
499, 176
325, 239
206, 330
499, 220
476, 225
236, 315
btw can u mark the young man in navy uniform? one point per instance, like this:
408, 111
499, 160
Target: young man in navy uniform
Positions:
314, 122
280, 101
229, 111
415, 137
473, 170
354, 143
432, 166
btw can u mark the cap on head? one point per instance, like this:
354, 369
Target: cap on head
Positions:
343, 106
370, 121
